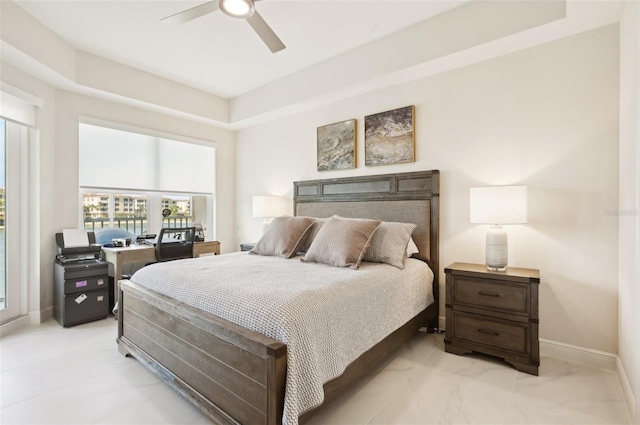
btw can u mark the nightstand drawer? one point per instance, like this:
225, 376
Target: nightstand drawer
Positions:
496, 333
496, 295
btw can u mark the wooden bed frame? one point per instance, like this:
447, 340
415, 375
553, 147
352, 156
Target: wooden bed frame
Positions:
237, 376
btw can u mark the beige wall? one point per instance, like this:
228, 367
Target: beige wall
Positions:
546, 117
629, 207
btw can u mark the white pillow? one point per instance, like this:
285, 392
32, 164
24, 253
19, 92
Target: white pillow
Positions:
412, 248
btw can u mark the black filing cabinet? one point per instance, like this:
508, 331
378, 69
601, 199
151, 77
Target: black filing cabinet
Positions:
81, 291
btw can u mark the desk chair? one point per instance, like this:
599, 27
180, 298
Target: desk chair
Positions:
175, 243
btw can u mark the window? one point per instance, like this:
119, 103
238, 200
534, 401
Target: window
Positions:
131, 181
18, 216
14, 219
179, 208
129, 211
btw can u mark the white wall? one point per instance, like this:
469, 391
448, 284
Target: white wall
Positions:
546, 117
629, 206
58, 172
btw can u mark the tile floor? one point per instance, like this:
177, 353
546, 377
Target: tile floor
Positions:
52, 375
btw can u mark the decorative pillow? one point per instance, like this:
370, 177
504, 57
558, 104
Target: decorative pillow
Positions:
284, 236
389, 243
312, 233
341, 242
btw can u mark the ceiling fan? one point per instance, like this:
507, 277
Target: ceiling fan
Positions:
244, 9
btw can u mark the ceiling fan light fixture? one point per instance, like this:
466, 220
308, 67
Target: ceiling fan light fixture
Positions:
237, 8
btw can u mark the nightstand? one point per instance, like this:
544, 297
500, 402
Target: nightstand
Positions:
493, 313
247, 246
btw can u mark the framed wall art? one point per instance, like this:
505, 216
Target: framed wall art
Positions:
337, 146
389, 137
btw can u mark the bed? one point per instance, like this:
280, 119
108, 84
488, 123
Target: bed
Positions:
238, 375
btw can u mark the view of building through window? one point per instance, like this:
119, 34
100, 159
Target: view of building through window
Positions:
129, 211
180, 207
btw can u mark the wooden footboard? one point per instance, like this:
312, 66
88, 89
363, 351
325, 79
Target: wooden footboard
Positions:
231, 373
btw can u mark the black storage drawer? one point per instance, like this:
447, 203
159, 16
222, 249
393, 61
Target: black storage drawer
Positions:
86, 268
85, 307
84, 284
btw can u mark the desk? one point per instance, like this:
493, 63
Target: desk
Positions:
139, 253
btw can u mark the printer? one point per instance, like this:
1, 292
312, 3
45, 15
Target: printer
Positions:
76, 253
81, 279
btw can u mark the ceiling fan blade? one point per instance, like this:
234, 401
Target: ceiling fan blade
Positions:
190, 14
265, 32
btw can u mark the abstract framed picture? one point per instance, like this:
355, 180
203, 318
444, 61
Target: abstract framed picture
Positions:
336, 144
389, 137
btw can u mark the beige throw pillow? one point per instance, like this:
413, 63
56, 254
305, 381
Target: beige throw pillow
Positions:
389, 243
312, 232
341, 242
284, 236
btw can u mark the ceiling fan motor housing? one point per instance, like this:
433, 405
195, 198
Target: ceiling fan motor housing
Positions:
237, 8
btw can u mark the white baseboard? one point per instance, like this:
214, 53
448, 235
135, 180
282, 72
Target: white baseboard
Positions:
14, 325
627, 391
31, 318
594, 358
37, 317
581, 355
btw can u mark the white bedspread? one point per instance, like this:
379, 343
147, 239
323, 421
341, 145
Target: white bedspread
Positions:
327, 316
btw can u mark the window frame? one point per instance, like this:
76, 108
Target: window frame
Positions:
18, 140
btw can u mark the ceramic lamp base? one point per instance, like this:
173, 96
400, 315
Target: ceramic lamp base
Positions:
496, 251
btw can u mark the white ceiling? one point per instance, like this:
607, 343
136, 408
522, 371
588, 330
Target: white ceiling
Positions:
219, 54
336, 49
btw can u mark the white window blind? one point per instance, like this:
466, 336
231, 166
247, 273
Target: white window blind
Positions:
119, 159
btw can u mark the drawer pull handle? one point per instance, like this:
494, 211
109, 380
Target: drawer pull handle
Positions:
489, 294
488, 332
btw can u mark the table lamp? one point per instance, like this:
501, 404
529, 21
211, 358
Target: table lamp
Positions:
268, 207
497, 205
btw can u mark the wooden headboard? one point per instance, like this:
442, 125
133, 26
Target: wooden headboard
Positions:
401, 197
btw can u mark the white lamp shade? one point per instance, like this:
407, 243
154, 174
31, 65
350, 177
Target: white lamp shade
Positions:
498, 205
269, 206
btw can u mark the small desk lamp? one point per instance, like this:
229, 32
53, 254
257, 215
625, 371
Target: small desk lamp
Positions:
497, 205
268, 207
